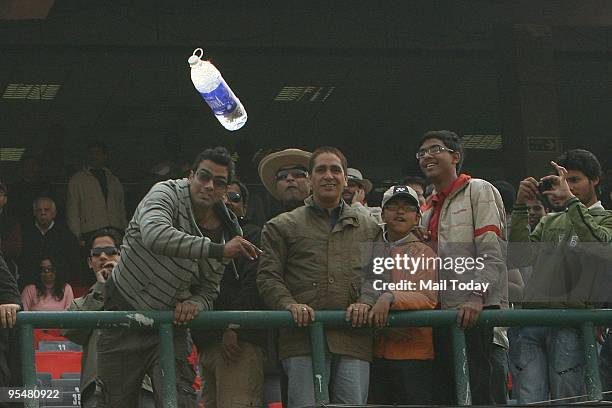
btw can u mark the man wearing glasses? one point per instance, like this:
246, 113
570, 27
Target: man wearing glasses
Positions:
285, 176
233, 359
465, 219
173, 257
102, 258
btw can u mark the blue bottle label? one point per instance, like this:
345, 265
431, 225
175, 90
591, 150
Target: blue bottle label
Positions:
220, 100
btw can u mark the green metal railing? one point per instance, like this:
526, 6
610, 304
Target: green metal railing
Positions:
585, 320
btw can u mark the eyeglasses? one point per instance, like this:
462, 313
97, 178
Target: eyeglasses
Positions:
45, 269
435, 149
205, 177
109, 251
404, 207
234, 197
295, 173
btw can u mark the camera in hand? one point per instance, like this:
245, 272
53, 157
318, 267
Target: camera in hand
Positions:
545, 185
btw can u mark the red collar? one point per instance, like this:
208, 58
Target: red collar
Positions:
455, 185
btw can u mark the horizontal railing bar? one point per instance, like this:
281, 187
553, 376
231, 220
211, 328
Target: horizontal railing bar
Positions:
330, 318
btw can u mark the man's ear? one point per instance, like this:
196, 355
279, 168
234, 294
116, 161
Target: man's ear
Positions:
89, 262
595, 182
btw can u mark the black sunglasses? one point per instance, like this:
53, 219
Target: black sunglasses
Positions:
110, 251
295, 173
234, 197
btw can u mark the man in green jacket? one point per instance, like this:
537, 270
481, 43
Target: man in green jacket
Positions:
314, 258
564, 249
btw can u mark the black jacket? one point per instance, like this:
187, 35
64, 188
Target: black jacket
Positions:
238, 292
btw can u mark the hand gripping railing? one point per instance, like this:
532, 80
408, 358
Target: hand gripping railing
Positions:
583, 319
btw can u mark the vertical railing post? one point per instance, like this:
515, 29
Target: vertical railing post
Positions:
168, 369
28, 361
319, 376
461, 368
591, 369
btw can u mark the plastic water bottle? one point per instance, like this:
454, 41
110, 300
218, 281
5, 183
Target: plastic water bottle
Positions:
212, 87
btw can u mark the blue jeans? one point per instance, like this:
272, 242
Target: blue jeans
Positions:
605, 367
348, 382
550, 362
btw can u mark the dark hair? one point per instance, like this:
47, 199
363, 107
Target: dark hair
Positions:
244, 191
415, 180
581, 160
327, 149
60, 280
507, 192
451, 141
104, 232
98, 145
219, 155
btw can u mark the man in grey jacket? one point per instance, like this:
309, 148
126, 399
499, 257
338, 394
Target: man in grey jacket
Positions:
172, 258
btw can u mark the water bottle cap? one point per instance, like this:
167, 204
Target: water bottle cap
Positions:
193, 60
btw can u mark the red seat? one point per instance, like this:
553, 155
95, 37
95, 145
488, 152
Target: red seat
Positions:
47, 335
58, 362
79, 291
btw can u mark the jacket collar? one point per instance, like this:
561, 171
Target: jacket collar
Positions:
459, 184
347, 216
405, 240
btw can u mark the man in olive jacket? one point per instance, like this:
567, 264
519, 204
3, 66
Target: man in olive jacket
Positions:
315, 257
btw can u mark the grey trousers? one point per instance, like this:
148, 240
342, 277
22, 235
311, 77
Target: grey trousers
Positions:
348, 377
126, 355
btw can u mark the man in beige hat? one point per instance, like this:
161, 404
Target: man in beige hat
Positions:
355, 192
285, 176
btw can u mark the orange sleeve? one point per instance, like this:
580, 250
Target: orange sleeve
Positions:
418, 299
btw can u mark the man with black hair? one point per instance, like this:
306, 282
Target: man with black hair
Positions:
103, 256
465, 219
173, 256
95, 197
315, 258
564, 254
233, 359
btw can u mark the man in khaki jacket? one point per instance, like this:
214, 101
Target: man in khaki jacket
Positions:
314, 257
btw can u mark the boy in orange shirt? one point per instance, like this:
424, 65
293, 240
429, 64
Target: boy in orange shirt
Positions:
402, 369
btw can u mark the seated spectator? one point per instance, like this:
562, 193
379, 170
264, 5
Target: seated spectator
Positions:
402, 372
44, 236
24, 191
10, 233
51, 292
355, 192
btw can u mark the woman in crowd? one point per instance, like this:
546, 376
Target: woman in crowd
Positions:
51, 292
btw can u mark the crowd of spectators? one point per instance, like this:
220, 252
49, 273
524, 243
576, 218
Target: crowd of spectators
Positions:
191, 247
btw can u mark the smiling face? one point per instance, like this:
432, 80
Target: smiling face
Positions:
328, 180
438, 166
208, 184
401, 215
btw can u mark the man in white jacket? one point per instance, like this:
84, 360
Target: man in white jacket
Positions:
95, 197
